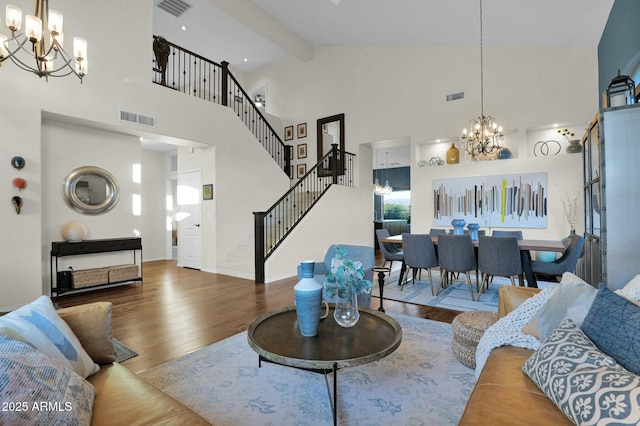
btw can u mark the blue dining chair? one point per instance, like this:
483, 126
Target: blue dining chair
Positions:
419, 254
517, 234
566, 263
498, 256
456, 254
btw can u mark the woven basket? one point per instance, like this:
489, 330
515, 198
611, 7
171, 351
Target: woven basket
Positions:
464, 353
90, 277
468, 328
123, 273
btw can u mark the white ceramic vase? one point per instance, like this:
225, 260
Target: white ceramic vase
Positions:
74, 232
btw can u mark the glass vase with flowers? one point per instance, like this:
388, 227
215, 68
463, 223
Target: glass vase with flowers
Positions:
344, 282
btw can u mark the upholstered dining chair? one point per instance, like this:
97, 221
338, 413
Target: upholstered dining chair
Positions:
566, 263
456, 254
498, 256
498, 233
419, 253
390, 252
517, 234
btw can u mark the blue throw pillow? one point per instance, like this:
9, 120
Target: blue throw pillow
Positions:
613, 324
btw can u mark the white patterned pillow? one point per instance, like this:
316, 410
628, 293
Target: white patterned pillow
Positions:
36, 389
572, 300
39, 325
588, 386
631, 291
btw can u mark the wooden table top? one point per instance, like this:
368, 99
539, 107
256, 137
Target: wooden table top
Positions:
276, 337
537, 245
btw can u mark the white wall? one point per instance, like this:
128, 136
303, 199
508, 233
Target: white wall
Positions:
155, 172
66, 147
118, 79
563, 175
392, 93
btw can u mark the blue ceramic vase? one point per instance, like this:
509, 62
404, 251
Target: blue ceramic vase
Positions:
308, 300
458, 226
473, 230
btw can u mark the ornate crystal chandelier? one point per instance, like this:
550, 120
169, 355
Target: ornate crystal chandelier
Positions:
484, 134
51, 60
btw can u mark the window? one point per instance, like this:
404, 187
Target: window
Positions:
397, 205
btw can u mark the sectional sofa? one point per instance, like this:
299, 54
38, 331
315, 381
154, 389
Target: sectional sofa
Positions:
569, 354
58, 367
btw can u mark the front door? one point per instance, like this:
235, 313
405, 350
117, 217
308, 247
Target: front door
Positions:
190, 231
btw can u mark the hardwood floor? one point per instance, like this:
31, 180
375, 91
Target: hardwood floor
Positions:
180, 310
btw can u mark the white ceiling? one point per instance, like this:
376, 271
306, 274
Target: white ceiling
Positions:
266, 30
263, 31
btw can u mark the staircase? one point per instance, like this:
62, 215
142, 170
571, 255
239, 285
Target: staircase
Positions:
273, 226
181, 70
187, 72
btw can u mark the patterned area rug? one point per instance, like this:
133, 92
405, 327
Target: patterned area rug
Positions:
123, 352
421, 383
455, 297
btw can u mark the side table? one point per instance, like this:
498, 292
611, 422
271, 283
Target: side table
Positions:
275, 337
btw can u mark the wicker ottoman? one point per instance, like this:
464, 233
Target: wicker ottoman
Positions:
468, 328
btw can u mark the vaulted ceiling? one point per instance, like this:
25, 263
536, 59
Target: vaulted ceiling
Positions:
252, 33
263, 31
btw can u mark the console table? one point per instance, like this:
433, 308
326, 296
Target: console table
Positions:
63, 248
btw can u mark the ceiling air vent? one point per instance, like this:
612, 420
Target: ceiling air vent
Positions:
174, 7
132, 117
455, 96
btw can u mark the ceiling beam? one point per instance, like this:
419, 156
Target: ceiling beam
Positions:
266, 25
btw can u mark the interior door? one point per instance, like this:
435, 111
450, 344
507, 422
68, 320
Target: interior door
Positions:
190, 231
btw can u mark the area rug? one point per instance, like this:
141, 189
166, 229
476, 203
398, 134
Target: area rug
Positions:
455, 297
421, 383
123, 352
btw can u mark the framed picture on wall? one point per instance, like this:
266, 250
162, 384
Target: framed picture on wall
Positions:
207, 191
302, 150
290, 172
290, 152
288, 133
302, 130
302, 170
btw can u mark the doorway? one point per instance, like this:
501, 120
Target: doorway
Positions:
189, 229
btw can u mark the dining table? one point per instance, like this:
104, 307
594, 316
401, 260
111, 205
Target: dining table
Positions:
526, 246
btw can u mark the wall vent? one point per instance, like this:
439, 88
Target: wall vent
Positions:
132, 117
455, 96
174, 7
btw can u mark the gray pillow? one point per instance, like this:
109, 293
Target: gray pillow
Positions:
613, 324
572, 300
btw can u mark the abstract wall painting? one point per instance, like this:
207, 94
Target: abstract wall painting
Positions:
508, 201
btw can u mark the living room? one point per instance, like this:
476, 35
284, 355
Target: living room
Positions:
352, 71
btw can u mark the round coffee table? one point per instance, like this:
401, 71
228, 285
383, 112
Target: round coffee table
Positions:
275, 337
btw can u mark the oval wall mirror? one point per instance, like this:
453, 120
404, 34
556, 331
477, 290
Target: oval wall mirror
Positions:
90, 190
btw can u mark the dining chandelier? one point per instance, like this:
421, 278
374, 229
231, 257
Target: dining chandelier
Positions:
46, 53
484, 135
386, 189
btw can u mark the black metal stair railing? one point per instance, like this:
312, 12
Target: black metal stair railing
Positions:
273, 226
187, 72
